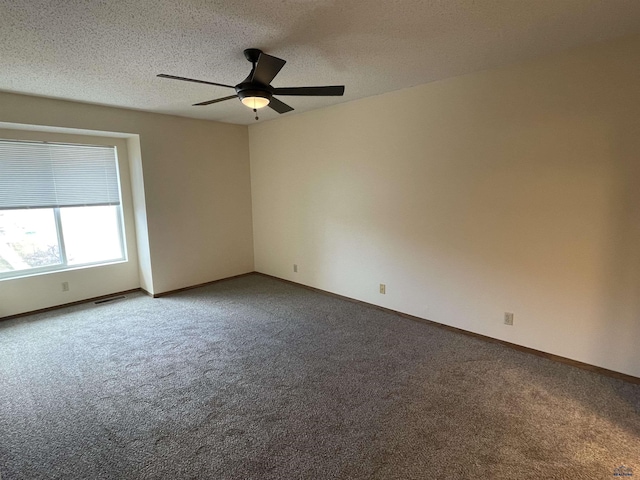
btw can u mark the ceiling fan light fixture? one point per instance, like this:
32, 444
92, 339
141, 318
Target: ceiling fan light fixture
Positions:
255, 102
252, 97
256, 91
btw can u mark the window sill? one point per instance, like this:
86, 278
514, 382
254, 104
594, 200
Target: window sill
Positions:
48, 271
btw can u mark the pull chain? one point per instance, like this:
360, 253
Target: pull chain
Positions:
256, 112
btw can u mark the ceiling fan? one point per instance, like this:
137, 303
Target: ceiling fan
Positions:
256, 91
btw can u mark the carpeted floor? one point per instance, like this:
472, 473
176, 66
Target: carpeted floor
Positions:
253, 378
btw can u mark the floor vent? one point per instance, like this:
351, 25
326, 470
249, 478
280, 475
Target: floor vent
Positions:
107, 300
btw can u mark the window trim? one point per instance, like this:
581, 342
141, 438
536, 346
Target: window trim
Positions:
120, 219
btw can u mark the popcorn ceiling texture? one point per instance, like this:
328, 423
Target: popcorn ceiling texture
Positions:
109, 52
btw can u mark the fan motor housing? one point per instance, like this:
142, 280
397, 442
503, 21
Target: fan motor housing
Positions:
249, 89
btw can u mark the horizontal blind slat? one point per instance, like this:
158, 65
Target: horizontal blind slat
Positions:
38, 175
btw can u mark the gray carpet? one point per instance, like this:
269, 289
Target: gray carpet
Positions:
253, 378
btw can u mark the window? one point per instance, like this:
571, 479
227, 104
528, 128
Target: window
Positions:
59, 207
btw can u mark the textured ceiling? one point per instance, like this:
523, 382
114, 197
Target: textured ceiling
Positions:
109, 51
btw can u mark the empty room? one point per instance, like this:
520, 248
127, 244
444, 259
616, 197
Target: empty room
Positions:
319, 240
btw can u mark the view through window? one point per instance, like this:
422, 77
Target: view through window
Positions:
59, 207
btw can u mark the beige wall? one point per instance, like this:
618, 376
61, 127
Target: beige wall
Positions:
190, 183
507, 190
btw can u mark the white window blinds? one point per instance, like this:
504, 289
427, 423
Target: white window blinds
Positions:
46, 175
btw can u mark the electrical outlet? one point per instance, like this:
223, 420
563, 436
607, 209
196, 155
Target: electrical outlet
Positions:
383, 288
295, 268
508, 318
65, 286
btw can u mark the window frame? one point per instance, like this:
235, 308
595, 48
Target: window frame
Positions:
64, 265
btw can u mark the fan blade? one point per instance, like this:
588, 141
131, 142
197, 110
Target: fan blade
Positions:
333, 91
209, 102
173, 77
267, 68
279, 106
